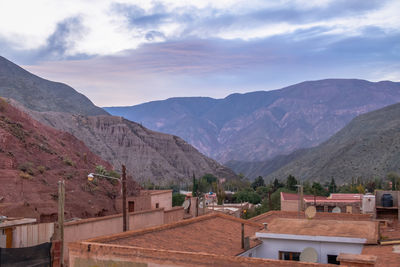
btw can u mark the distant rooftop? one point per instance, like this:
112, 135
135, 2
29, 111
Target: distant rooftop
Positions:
367, 230
321, 199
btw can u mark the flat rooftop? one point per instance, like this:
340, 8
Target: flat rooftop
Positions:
333, 228
271, 215
214, 233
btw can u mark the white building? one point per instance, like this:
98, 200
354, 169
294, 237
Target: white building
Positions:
286, 239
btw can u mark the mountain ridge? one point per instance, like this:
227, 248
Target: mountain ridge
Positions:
148, 155
368, 147
260, 125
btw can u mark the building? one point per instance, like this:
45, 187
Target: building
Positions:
341, 203
286, 239
387, 252
7, 230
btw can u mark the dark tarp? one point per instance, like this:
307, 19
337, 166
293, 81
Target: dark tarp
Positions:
37, 256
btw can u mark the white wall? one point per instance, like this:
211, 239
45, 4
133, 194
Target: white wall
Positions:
270, 248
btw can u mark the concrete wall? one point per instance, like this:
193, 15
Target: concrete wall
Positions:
173, 215
270, 248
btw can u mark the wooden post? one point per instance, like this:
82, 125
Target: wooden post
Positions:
61, 201
242, 235
124, 214
301, 198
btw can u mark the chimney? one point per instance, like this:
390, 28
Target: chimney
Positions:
265, 226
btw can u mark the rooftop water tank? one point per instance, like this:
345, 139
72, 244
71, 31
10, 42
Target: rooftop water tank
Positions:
387, 200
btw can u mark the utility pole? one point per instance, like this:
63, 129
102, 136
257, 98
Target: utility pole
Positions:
124, 214
300, 193
61, 201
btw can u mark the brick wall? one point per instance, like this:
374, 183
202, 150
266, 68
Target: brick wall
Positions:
56, 253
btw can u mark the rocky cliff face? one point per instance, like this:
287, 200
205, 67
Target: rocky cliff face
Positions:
260, 125
148, 155
368, 147
34, 157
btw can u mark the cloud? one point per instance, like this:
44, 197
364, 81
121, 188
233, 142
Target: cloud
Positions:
111, 27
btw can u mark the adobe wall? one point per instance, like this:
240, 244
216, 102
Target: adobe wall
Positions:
142, 202
144, 219
95, 254
162, 198
173, 215
289, 205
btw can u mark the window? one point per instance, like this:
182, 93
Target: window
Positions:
320, 208
157, 205
289, 256
332, 259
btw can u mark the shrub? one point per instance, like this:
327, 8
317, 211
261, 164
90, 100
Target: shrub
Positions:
68, 161
41, 169
177, 199
27, 167
25, 175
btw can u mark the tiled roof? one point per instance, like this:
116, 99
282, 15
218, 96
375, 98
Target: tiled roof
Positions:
336, 228
214, 234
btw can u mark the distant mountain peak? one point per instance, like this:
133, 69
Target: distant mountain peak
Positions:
42, 95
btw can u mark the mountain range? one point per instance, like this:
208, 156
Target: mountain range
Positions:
260, 125
148, 155
368, 147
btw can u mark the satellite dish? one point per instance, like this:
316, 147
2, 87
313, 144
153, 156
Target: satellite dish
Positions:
186, 204
309, 255
336, 210
310, 212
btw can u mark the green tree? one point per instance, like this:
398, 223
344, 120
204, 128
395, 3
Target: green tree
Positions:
209, 178
195, 187
318, 189
394, 178
332, 186
177, 199
291, 182
277, 185
247, 195
259, 181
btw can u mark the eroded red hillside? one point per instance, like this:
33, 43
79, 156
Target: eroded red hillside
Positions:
34, 157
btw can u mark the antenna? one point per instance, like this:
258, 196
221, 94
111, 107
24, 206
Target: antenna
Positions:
309, 255
336, 210
310, 212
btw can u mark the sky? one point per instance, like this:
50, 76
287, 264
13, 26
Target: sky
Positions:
122, 53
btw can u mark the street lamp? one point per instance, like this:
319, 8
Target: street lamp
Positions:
122, 180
